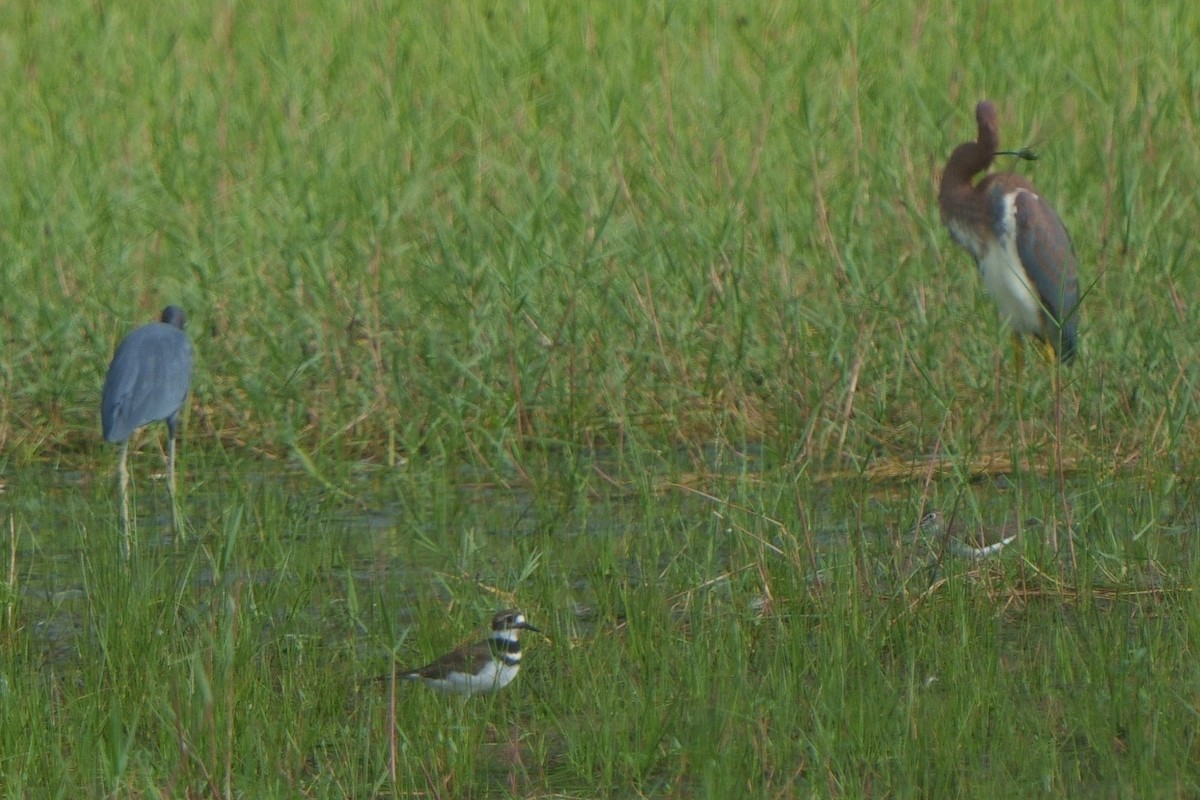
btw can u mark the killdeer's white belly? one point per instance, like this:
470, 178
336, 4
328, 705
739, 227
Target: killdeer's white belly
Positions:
977, 553
494, 676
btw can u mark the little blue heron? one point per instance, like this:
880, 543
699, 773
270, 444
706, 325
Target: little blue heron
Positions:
148, 380
1021, 246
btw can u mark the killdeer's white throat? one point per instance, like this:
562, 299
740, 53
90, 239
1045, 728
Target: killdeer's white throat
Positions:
485, 666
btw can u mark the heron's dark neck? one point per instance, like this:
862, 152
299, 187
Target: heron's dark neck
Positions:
956, 196
967, 161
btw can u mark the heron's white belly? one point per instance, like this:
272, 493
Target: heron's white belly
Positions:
1010, 287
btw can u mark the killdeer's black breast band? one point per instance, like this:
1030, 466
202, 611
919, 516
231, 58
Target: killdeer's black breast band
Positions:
506, 646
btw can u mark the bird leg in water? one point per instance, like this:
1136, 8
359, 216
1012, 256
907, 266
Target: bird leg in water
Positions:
176, 517
123, 490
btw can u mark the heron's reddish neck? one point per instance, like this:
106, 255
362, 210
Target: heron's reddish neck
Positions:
967, 161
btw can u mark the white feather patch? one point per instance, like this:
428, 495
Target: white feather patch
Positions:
1005, 278
494, 676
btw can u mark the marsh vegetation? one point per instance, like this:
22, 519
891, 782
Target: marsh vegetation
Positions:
638, 317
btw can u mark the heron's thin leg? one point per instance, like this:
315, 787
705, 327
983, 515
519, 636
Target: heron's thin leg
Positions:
1047, 351
171, 466
123, 490
1018, 356
1019, 367
176, 518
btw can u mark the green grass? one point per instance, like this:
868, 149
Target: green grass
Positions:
643, 318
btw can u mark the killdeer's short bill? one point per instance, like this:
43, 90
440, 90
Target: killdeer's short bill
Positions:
485, 666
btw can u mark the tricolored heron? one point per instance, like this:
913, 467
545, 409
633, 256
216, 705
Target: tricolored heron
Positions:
1021, 246
148, 380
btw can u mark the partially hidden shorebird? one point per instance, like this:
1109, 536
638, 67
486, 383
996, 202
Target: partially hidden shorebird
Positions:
485, 666
973, 545
147, 381
1021, 246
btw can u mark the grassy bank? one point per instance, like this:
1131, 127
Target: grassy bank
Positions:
477, 230
642, 318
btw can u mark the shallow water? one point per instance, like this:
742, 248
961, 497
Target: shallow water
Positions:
382, 541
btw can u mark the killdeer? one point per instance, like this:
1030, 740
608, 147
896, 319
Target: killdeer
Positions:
981, 543
485, 666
